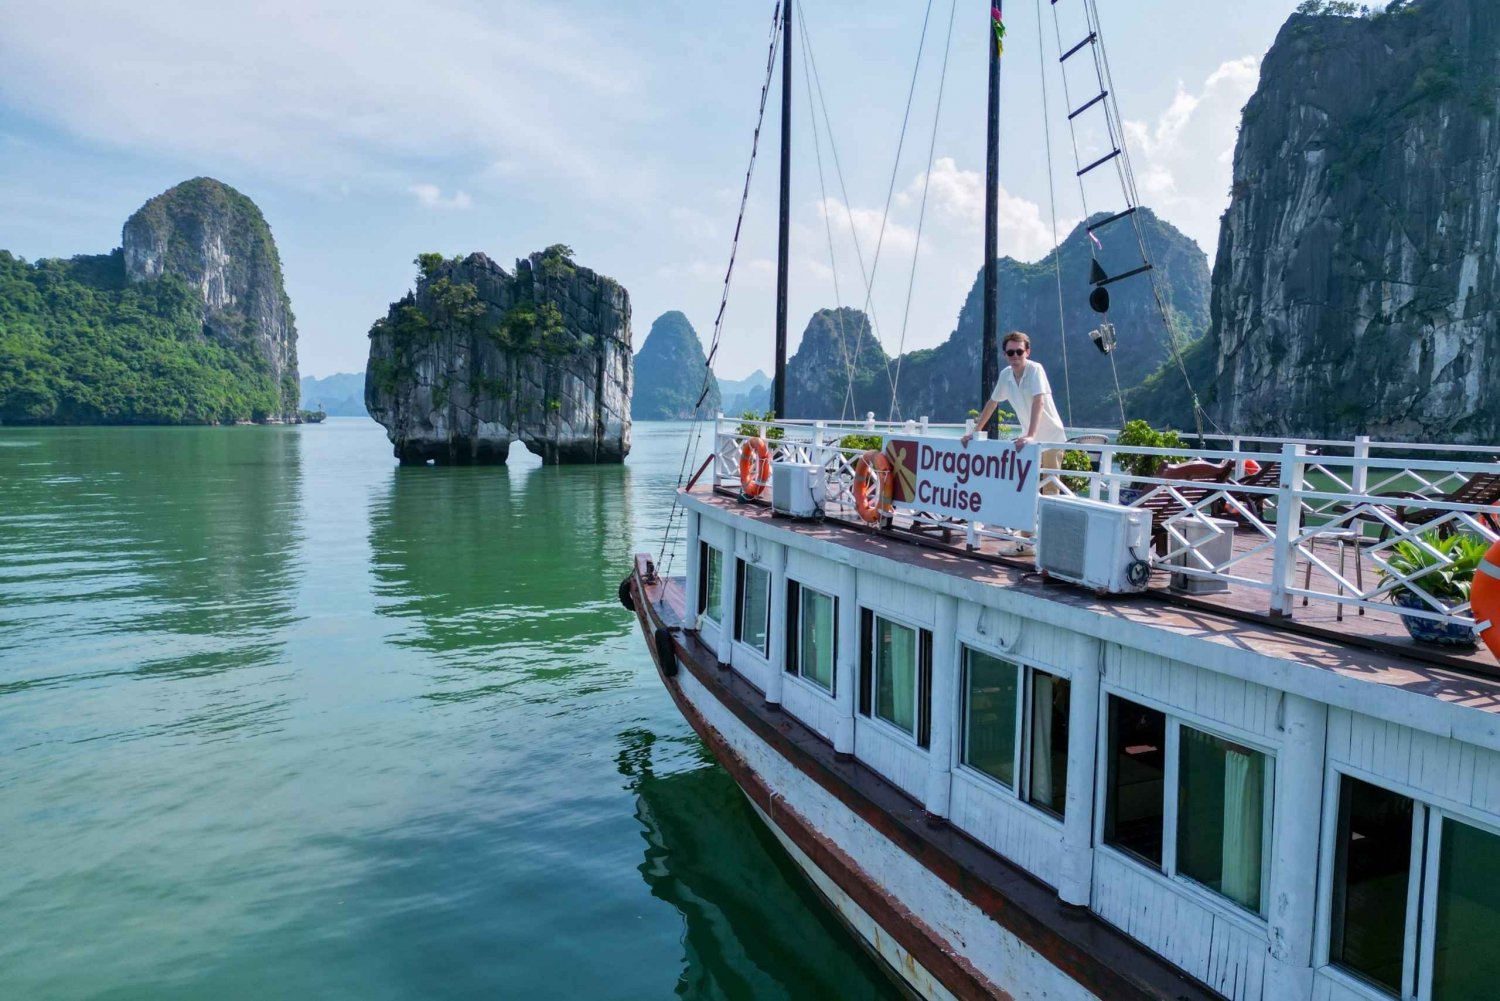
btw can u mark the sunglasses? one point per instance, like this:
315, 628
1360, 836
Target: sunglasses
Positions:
1014, 352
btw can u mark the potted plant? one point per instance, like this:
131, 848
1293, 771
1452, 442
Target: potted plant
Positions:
1143, 435
1443, 567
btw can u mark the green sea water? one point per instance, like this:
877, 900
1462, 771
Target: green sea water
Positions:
279, 719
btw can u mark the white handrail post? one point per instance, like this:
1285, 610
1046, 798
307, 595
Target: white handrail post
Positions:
870, 420
1239, 464
718, 449
1288, 527
1104, 482
923, 424
1360, 481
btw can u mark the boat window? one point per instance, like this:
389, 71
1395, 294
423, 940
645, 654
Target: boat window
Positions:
753, 622
1465, 963
991, 701
895, 675
710, 582
1371, 883
811, 634
1134, 811
1047, 780
1221, 816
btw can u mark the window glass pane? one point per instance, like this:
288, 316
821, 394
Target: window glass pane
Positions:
1465, 963
1134, 809
1221, 790
815, 640
1049, 742
896, 674
1372, 869
755, 607
990, 692
713, 576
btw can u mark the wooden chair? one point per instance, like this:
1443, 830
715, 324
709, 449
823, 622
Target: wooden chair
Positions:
1268, 475
1481, 488
1164, 506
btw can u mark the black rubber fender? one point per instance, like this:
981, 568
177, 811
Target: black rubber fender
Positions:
626, 597
666, 652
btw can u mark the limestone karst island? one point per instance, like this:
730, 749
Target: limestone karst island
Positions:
760, 500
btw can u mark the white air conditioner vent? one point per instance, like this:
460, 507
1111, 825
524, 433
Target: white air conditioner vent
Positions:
1098, 545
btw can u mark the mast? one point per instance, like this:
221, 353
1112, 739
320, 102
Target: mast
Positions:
989, 358
778, 387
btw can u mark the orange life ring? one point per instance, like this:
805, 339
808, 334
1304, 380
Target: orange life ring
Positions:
872, 486
1484, 597
755, 466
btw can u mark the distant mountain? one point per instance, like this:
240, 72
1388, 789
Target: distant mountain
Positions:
943, 382
669, 373
186, 323
751, 393
340, 395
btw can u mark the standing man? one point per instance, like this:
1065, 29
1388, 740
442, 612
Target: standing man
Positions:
1024, 386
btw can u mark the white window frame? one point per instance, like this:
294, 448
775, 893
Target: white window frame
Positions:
910, 737
702, 613
1420, 939
833, 669
1171, 792
1020, 790
741, 592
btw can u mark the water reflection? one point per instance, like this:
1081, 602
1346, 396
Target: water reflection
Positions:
752, 925
162, 551
504, 570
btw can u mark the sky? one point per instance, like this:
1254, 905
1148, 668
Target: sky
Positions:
370, 132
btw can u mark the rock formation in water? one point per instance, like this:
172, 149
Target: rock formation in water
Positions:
669, 373
1356, 284
943, 382
476, 358
188, 323
216, 240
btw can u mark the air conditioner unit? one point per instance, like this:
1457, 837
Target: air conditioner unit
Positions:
1101, 546
794, 488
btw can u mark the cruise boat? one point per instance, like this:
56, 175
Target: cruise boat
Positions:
1187, 749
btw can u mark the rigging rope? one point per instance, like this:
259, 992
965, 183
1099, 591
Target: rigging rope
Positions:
1062, 324
695, 437
895, 408
838, 298
1127, 175
889, 196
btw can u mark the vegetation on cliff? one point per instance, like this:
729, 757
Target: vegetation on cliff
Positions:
669, 373
81, 345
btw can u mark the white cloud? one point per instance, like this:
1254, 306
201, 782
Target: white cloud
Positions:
431, 196
1184, 159
314, 91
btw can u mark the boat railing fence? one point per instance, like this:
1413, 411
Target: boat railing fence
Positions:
1359, 523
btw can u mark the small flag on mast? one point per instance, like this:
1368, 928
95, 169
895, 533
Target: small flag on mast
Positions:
999, 30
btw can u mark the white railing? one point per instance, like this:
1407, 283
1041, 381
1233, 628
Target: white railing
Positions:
1331, 511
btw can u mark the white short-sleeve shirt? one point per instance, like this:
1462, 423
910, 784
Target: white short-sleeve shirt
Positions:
1019, 394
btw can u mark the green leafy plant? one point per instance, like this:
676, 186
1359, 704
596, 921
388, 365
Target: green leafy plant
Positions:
863, 442
1443, 567
750, 430
1143, 435
1078, 462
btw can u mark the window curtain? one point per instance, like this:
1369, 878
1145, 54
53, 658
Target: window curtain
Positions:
1041, 737
1244, 813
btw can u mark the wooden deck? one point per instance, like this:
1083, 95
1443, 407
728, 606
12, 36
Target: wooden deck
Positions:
1373, 647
